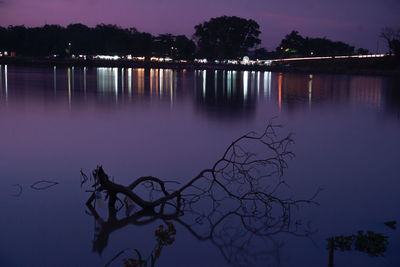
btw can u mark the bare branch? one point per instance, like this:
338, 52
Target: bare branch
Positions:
231, 204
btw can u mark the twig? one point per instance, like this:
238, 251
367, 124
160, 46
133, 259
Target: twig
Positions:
43, 184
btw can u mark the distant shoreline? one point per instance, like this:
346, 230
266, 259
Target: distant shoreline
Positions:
373, 66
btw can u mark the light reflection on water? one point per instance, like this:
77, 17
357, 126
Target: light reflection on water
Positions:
164, 84
172, 123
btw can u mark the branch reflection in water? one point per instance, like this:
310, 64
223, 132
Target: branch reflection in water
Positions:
235, 204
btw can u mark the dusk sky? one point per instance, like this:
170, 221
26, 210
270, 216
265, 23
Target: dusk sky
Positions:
353, 21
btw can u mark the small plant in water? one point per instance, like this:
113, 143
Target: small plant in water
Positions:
165, 236
369, 242
374, 244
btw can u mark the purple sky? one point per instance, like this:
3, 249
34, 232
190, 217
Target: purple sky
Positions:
355, 22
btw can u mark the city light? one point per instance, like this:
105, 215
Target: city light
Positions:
107, 57
161, 59
202, 61
138, 58
245, 60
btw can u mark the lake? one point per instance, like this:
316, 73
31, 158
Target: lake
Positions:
172, 124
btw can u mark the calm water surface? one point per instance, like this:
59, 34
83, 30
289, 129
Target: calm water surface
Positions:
172, 124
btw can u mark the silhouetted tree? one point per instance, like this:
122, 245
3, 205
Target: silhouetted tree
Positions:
325, 47
141, 43
81, 38
395, 44
185, 48
3, 35
226, 37
17, 39
295, 45
390, 35
164, 45
176, 47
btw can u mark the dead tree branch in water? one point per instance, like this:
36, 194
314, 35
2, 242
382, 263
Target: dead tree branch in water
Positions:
238, 165
236, 201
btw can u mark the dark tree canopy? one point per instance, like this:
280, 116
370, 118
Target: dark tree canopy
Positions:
392, 38
293, 43
102, 39
395, 45
296, 45
219, 38
176, 47
226, 37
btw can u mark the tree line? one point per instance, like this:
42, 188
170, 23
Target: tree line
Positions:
219, 38
296, 45
101, 39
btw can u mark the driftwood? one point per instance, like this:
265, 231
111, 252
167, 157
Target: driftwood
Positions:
231, 204
236, 165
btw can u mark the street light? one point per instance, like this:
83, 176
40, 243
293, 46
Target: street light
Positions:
69, 48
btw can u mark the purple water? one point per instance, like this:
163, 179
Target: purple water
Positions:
174, 123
